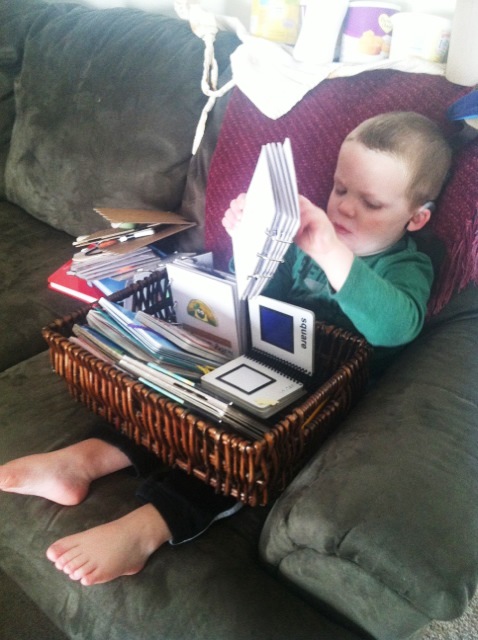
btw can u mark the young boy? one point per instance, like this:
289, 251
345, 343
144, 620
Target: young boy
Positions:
354, 266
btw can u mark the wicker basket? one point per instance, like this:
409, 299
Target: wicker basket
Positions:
253, 471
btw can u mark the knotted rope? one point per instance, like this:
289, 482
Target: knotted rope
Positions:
204, 25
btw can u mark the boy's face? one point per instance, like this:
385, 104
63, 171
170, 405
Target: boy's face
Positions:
368, 205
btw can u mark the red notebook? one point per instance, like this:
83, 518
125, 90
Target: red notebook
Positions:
64, 282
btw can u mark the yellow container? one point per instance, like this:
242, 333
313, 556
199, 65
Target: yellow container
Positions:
277, 20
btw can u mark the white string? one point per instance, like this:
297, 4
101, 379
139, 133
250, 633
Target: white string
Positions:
201, 127
203, 24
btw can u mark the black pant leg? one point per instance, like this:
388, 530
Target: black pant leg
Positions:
188, 505
144, 461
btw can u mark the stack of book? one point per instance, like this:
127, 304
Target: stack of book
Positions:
108, 260
145, 338
162, 356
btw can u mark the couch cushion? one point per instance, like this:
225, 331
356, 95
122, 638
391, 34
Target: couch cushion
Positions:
30, 251
7, 114
107, 105
16, 18
386, 512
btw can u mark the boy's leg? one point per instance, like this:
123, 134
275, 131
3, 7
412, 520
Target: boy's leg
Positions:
142, 459
187, 504
63, 476
118, 548
177, 508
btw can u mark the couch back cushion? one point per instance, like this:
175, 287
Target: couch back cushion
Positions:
317, 126
107, 105
16, 18
7, 114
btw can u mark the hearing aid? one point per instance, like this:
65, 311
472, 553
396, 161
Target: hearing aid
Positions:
430, 205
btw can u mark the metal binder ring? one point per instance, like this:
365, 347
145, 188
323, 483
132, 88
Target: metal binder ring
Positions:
261, 255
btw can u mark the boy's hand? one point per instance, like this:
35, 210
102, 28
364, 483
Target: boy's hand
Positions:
316, 235
317, 238
233, 215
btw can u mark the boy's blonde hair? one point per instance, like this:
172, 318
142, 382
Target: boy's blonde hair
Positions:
417, 141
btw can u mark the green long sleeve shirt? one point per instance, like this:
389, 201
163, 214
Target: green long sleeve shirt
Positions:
384, 297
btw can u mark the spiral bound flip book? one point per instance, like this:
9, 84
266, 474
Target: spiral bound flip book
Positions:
275, 371
271, 218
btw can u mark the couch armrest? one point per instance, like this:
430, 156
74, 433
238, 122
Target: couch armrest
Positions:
382, 524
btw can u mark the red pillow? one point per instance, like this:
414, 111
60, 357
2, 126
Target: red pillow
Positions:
316, 127
456, 223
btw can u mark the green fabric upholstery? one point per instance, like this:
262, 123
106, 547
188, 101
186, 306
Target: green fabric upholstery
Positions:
98, 120
15, 19
81, 106
193, 204
7, 114
30, 251
386, 512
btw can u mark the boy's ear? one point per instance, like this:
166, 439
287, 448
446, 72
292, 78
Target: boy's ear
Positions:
420, 217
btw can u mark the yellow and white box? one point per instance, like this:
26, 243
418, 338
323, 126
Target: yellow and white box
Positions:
276, 20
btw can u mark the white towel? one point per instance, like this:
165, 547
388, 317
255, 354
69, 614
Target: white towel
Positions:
269, 75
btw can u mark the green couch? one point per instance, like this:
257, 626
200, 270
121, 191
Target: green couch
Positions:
377, 535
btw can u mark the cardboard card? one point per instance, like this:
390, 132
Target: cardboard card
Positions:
140, 216
162, 223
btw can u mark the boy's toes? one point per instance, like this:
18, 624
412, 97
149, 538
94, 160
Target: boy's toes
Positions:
64, 558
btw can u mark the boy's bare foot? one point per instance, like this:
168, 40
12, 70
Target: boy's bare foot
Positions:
63, 476
106, 552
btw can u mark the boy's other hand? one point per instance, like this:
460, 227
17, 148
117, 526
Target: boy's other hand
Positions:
233, 215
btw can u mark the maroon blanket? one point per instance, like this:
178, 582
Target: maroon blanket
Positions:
317, 126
